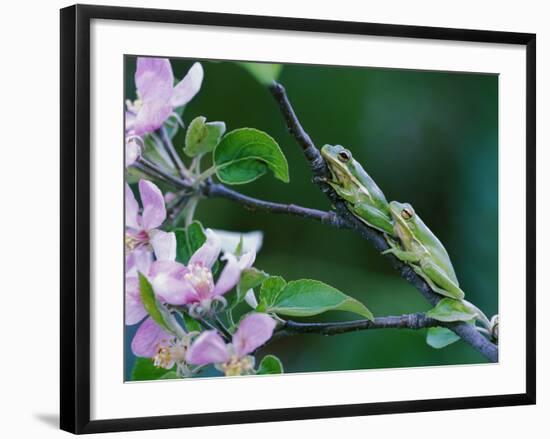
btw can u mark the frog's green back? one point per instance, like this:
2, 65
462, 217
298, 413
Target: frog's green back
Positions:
436, 248
377, 196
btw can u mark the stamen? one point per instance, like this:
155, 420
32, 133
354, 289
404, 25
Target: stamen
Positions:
135, 241
131, 242
172, 354
238, 366
200, 277
164, 358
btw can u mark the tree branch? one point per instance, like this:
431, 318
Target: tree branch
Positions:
216, 190
347, 220
406, 321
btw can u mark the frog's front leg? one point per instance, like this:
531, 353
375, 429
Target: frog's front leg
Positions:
346, 194
373, 217
392, 241
446, 286
402, 255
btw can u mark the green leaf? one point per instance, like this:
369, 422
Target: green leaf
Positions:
451, 310
250, 278
145, 370
306, 297
188, 241
245, 154
202, 137
182, 248
195, 236
270, 290
263, 72
155, 309
270, 364
439, 337
190, 323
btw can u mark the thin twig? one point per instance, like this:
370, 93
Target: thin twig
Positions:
215, 190
191, 207
176, 209
218, 190
150, 168
212, 327
171, 151
222, 328
321, 173
149, 172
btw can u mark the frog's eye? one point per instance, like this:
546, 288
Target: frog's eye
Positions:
344, 156
407, 213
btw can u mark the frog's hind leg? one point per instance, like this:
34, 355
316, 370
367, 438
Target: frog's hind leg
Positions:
374, 218
439, 281
430, 282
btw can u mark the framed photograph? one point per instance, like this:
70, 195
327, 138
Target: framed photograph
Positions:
269, 219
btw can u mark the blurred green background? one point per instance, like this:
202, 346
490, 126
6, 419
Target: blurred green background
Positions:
429, 138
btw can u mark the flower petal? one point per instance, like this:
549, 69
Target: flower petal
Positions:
129, 120
230, 276
154, 211
172, 268
169, 284
246, 260
133, 151
164, 244
250, 299
149, 337
230, 240
154, 79
189, 86
132, 209
138, 260
208, 253
208, 348
134, 309
151, 116
254, 330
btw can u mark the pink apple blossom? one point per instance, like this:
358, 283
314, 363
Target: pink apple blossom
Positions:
149, 339
194, 284
233, 358
142, 229
157, 95
138, 261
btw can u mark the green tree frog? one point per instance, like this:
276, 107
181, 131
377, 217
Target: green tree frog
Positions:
352, 183
422, 249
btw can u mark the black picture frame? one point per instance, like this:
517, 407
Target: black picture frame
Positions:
75, 217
